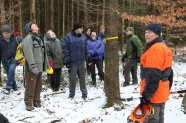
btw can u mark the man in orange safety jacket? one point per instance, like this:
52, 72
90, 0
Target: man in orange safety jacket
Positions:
156, 71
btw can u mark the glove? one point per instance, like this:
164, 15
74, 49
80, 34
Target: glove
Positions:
35, 71
144, 101
67, 64
90, 61
138, 59
123, 58
95, 54
51, 63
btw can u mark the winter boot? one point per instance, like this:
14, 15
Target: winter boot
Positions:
36, 104
84, 96
6, 91
29, 108
125, 84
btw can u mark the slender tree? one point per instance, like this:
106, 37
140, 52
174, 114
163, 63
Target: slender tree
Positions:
85, 12
33, 10
103, 13
72, 14
63, 17
2, 12
58, 17
20, 17
52, 14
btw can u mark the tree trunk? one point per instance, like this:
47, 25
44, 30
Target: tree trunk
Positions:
20, 17
63, 17
68, 20
97, 17
47, 26
111, 84
52, 14
72, 14
58, 18
103, 13
77, 10
33, 11
2, 12
11, 21
85, 13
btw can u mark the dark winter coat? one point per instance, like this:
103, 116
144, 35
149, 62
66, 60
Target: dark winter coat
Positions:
8, 49
74, 47
134, 47
96, 48
54, 52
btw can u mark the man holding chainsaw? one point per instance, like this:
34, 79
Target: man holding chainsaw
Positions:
156, 77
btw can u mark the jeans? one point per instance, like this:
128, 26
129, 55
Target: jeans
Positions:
10, 70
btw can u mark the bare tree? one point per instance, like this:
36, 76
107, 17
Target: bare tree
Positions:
58, 17
52, 14
85, 12
63, 17
103, 13
72, 13
78, 10
33, 10
111, 84
2, 12
20, 16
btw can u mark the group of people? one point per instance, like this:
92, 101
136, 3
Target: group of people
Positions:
74, 49
46, 52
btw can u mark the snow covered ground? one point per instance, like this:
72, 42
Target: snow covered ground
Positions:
59, 107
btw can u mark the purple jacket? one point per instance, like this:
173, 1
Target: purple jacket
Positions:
96, 48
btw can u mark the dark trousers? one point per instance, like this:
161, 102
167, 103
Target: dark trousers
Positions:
184, 103
158, 116
88, 67
33, 88
77, 69
130, 67
55, 79
99, 65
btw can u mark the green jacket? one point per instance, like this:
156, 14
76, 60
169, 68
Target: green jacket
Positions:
54, 52
134, 47
35, 54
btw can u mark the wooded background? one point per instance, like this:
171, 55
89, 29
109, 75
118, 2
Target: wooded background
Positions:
59, 15
115, 15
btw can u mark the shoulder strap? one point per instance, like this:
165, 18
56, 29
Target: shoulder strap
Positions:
17, 40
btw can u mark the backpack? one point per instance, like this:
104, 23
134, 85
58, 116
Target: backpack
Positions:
20, 58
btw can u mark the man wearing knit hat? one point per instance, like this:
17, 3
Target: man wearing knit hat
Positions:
156, 63
75, 51
8, 47
34, 49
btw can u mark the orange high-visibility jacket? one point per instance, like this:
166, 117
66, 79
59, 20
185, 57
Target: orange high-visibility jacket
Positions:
156, 65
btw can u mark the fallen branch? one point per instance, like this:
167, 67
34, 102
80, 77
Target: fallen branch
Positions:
178, 92
26, 118
53, 94
132, 98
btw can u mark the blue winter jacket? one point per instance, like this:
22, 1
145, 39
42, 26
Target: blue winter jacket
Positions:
8, 50
96, 46
74, 47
